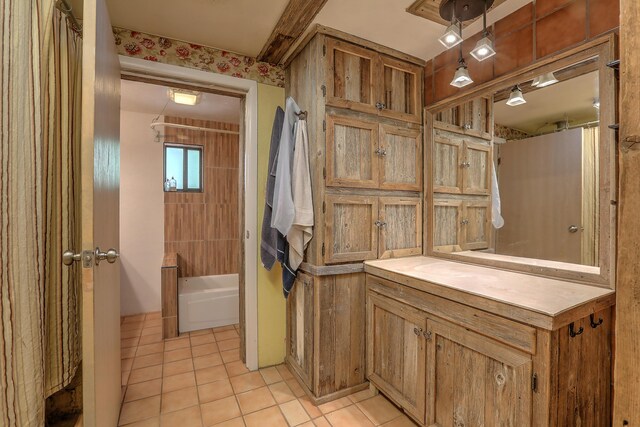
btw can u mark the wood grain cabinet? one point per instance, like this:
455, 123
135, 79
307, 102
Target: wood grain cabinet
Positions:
364, 80
461, 166
365, 154
300, 328
361, 228
474, 118
461, 224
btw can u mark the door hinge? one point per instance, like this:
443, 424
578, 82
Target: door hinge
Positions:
324, 173
324, 207
324, 126
534, 382
323, 249
324, 50
324, 91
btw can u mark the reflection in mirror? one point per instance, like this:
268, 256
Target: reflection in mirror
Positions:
532, 190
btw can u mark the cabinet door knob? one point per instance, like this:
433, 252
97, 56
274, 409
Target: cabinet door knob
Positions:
427, 335
381, 105
417, 331
464, 222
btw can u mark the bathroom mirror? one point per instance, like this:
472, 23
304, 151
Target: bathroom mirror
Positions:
522, 171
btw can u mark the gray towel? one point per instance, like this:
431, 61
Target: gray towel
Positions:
270, 236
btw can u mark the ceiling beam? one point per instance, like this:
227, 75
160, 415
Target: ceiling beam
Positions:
295, 19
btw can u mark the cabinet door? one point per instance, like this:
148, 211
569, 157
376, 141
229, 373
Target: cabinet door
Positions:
300, 307
447, 217
401, 90
352, 160
351, 76
477, 117
447, 165
477, 168
351, 233
396, 352
475, 222
401, 159
473, 381
401, 227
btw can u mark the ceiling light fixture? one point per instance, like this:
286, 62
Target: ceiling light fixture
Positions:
461, 78
516, 97
544, 80
184, 97
484, 48
452, 36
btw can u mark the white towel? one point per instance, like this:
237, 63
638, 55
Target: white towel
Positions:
496, 217
301, 229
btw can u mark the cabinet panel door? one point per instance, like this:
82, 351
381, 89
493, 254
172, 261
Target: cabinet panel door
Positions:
351, 233
351, 152
476, 223
473, 381
401, 230
352, 73
300, 305
396, 352
447, 165
447, 217
477, 117
401, 164
401, 90
477, 170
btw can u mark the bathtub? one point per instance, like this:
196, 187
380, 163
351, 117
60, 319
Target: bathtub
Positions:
207, 302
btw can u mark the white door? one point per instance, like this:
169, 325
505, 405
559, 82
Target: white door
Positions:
100, 174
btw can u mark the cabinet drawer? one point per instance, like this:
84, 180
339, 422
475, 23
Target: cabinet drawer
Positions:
498, 328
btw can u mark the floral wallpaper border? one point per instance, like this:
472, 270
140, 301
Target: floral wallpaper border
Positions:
184, 54
508, 133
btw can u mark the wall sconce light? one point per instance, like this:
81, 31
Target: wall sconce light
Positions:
516, 97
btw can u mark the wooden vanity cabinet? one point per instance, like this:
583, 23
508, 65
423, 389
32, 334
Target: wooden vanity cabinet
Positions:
300, 327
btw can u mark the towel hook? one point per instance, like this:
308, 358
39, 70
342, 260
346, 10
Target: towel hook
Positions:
572, 332
302, 115
592, 321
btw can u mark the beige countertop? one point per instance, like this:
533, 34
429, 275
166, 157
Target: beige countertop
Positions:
545, 302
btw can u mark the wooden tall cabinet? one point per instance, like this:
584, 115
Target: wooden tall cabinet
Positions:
364, 107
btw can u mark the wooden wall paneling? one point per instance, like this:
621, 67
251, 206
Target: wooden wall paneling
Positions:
351, 233
401, 232
401, 165
447, 165
446, 227
353, 73
351, 150
401, 90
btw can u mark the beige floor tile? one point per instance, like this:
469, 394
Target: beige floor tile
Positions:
215, 390
177, 382
220, 410
236, 368
152, 323
294, 413
271, 375
334, 405
145, 374
139, 410
401, 421
202, 339
150, 422
378, 409
236, 422
362, 395
134, 318
179, 354
143, 390
230, 355
285, 373
126, 364
226, 335
229, 344
208, 361
179, 399
200, 332
128, 353
146, 349
153, 315
307, 424
246, 382
321, 422
134, 333
270, 417
312, 410
152, 331
131, 326
188, 417
350, 416
150, 339
295, 387
208, 375
148, 360
281, 392
129, 342
223, 328
255, 400
202, 350
177, 367
176, 343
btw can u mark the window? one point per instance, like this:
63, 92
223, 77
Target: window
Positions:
183, 163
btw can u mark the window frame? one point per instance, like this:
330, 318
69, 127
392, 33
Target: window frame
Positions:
185, 169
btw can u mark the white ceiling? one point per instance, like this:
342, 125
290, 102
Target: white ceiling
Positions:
152, 99
243, 26
572, 99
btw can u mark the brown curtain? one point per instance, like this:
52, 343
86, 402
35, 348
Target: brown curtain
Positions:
40, 122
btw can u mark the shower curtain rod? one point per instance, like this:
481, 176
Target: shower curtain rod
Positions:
176, 125
65, 8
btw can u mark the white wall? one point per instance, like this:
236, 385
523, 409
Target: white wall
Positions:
141, 214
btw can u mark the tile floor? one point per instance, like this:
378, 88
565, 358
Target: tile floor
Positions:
198, 380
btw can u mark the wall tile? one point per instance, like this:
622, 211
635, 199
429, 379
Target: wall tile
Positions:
544, 7
222, 257
222, 221
514, 21
183, 222
604, 15
561, 29
428, 90
442, 80
514, 51
192, 260
221, 185
223, 151
446, 58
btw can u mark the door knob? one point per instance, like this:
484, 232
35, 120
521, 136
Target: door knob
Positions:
110, 256
573, 229
69, 257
